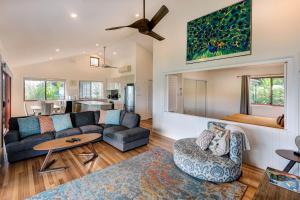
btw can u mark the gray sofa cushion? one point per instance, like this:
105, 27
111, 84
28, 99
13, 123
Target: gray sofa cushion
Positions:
29, 142
129, 135
83, 118
130, 120
67, 132
114, 129
12, 136
91, 129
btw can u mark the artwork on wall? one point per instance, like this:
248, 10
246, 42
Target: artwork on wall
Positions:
221, 34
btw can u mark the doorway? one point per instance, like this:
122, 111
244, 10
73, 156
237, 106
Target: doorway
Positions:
6, 100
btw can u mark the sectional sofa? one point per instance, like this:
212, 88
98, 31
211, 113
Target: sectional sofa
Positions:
126, 136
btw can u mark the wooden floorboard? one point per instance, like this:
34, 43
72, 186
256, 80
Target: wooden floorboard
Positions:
21, 179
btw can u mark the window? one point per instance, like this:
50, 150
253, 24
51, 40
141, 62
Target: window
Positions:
94, 62
44, 90
267, 91
91, 90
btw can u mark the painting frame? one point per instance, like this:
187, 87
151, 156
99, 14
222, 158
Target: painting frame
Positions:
198, 57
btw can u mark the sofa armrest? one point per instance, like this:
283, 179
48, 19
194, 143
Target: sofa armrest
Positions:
236, 147
12, 136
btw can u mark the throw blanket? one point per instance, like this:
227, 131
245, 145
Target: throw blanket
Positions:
233, 128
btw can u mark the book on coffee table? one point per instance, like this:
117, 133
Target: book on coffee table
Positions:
283, 179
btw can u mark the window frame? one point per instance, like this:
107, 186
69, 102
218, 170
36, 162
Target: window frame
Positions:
92, 99
271, 91
96, 58
45, 91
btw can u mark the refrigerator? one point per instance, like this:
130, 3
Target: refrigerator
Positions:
130, 97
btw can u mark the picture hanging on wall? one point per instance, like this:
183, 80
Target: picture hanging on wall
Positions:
221, 34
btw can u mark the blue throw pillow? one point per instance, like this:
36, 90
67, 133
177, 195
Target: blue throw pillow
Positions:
61, 122
28, 126
113, 117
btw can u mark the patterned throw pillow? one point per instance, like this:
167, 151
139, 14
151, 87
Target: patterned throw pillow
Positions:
102, 116
204, 139
46, 124
28, 126
61, 122
220, 144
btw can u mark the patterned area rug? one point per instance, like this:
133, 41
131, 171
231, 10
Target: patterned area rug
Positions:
150, 175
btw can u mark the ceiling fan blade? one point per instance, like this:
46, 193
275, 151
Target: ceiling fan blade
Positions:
155, 35
115, 28
163, 11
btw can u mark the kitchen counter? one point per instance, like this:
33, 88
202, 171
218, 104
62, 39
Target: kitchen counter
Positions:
94, 105
99, 103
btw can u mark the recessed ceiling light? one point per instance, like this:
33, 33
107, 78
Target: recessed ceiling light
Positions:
114, 53
100, 53
84, 52
73, 15
50, 58
137, 15
97, 45
57, 50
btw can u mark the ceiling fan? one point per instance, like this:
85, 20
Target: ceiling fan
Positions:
146, 26
104, 65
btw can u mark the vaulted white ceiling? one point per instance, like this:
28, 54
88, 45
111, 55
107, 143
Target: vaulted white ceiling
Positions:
31, 30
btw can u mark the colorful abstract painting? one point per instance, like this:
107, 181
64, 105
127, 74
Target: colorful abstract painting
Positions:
222, 34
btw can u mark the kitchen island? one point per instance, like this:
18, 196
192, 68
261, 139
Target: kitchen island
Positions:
94, 105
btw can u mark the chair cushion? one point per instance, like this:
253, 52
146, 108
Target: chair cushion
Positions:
67, 132
28, 126
130, 120
112, 117
204, 139
61, 122
91, 129
220, 143
113, 129
129, 135
46, 124
83, 118
29, 142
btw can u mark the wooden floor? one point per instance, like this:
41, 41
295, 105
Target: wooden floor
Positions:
21, 179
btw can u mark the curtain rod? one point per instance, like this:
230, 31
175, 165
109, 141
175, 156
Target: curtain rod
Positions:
262, 75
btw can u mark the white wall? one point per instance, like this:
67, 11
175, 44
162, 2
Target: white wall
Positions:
3, 52
141, 61
144, 73
74, 68
126, 55
275, 35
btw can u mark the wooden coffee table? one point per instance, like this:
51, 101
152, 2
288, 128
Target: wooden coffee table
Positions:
61, 143
289, 155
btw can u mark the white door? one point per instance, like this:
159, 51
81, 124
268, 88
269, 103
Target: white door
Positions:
189, 97
201, 98
194, 97
172, 93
